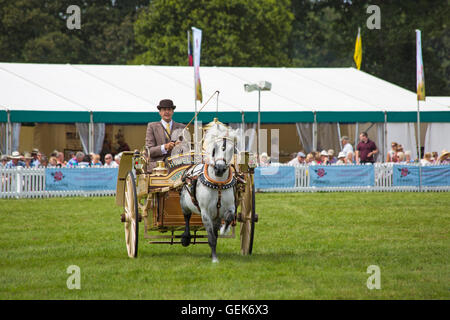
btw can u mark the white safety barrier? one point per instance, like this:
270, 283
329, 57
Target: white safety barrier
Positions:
30, 183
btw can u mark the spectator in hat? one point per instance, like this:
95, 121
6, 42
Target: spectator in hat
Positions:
35, 162
445, 157
27, 159
264, 160
324, 158
347, 148
342, 160
298, 160
15, 161
117, 158
331, 157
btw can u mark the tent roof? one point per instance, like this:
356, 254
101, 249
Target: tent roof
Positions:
113, 93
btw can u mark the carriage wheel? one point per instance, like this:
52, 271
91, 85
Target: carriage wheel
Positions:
131, 215
248, 217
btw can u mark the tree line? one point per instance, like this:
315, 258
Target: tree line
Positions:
263, 33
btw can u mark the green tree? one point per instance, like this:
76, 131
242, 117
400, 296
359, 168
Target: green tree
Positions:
235, 33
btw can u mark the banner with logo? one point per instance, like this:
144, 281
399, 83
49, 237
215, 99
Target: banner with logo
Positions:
342, 176
85, 179
432, 176
274, 177
197, 38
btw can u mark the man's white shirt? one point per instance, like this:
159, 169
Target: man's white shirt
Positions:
163, 149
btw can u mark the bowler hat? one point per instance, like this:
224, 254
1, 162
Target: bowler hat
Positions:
166, 103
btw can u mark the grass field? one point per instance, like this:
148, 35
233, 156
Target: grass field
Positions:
307, 246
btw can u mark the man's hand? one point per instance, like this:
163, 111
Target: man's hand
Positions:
169, 146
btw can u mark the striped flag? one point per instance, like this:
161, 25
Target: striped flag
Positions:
190, 58
358, 50
420, 76
197, 37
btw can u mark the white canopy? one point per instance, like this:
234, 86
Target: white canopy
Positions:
122, 93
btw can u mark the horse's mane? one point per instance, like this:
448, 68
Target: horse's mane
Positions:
217, 131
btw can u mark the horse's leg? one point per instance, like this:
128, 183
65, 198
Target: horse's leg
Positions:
186, 236
212, 237
228, 217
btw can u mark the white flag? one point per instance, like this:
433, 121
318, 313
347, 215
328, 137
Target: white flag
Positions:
197, 38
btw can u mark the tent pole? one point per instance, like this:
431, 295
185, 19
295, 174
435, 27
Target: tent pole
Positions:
339, 135
91, 133
8, 133
315, 132
385, 137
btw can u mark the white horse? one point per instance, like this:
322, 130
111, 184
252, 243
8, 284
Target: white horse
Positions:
208, 190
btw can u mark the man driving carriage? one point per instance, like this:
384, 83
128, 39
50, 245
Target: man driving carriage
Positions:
158, 139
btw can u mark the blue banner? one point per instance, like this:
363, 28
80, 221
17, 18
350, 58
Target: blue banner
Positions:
342, 176
432, 176
274, 177
86, 179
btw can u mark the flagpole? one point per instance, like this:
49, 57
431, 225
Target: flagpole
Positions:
419, 144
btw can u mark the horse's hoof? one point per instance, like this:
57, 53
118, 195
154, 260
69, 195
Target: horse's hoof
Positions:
215, 260
224, 230
185, 241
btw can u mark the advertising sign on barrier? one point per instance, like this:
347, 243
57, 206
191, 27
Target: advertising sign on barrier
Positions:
274, 177
432, 176
86, 179
342, 176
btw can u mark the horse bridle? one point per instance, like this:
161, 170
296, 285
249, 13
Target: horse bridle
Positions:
224, 147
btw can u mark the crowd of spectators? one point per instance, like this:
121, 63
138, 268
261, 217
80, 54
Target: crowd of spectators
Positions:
37, 159
365, 152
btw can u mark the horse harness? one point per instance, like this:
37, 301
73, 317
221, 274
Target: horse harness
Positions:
200, 173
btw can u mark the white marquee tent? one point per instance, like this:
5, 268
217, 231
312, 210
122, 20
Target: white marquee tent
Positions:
101, 94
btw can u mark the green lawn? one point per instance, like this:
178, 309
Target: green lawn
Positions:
307, 246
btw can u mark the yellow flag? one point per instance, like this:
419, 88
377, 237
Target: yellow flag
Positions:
419, 68
358, 50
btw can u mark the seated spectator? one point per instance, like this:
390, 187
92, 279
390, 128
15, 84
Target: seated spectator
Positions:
426, 161
109, 162
435, 156
331, 157
445, 157
27, 159
298, 160
117, 158
401, 157
36, 162
310, 159
324, 159
60, 160
317, 157
15, 161
3, 161
408, 157
96, 160
347, 148
79, 156
392, 154
44, 161
85, 162
342, 160
264, 160
52, 162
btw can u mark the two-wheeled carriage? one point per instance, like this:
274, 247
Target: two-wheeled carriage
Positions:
154, 198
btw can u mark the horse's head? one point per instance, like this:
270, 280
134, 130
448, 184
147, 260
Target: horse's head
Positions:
221, 146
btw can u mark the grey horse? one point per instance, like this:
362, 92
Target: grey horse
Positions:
213, 195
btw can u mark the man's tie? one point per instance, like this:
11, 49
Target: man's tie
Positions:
168, 129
